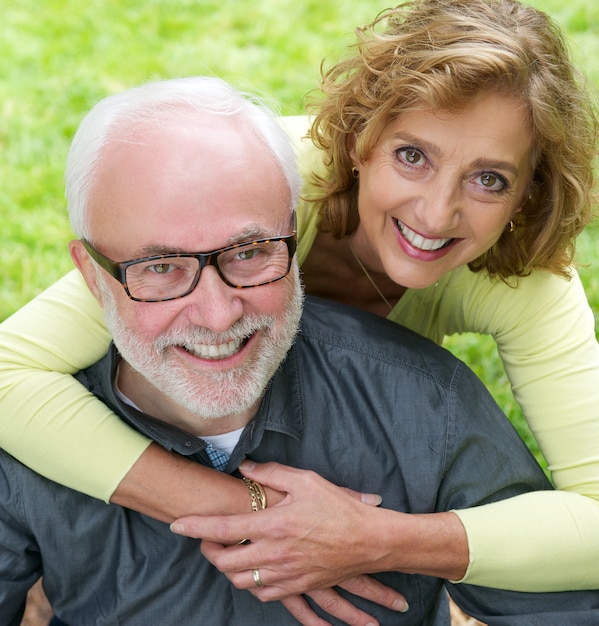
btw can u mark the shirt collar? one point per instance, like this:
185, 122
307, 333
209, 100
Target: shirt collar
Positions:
281, 409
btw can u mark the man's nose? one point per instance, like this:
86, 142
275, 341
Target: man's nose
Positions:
213, 304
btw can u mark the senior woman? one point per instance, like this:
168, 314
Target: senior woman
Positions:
449, 174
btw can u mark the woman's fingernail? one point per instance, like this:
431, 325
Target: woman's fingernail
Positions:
372, 499
401, 606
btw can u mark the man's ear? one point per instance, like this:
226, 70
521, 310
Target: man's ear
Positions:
86, 266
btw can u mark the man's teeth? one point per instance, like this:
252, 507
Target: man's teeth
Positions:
216, 351
420, 242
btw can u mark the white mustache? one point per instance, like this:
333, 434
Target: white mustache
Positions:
198, 339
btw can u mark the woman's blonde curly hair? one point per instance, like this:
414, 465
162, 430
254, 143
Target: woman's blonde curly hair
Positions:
445, 53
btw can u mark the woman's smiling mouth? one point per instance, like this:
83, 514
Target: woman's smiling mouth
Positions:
420, 242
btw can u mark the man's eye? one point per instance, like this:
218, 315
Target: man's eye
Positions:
161, 268
248, 255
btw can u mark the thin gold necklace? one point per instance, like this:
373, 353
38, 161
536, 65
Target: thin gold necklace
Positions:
370, 278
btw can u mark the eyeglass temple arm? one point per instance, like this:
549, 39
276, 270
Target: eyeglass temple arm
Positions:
104, 262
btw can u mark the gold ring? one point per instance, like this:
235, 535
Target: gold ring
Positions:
257, 579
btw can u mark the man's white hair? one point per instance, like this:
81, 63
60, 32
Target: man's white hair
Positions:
151, 104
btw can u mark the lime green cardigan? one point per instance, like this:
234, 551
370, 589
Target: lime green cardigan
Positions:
544, 330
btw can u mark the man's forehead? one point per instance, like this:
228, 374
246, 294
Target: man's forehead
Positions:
190, 188
177, 123
222, 145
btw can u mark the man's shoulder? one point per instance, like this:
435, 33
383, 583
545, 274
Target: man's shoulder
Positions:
327, 318
23, 489
369, 336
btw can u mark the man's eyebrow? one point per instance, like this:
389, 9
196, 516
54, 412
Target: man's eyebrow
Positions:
158, 250
249, 234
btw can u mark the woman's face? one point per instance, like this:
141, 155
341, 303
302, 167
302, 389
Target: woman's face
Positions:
439, 188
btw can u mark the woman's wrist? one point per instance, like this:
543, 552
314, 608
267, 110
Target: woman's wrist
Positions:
166, 486
257, 494
431, 544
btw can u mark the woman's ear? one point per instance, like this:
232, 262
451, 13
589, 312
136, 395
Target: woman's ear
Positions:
351, 147
519, 208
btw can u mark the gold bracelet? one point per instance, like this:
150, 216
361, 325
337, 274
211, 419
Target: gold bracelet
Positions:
257, 494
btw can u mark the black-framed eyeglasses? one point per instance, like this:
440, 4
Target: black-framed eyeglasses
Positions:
170, 276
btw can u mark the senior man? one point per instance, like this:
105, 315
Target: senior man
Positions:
213, 358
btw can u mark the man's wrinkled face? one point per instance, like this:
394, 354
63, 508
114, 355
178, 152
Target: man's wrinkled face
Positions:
193, 187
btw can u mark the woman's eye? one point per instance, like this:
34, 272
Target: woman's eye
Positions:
492, 182
412, 156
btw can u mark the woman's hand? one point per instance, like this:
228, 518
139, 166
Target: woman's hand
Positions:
319, 536
337, 606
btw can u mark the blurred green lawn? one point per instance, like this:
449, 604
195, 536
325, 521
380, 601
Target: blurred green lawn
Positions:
58, 57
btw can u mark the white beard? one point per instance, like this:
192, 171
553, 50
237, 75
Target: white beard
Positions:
208, 394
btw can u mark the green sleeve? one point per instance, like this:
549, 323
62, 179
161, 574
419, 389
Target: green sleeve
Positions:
48, 420
545, 334
540, 541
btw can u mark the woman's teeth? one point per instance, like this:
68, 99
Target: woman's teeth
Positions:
420, 242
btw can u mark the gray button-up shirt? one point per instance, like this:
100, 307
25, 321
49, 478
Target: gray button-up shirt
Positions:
363, 402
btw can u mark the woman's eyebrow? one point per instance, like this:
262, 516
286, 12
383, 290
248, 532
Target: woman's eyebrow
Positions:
435, 150
496, 165
404, 137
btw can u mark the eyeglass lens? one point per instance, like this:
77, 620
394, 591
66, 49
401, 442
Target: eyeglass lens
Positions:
242, 266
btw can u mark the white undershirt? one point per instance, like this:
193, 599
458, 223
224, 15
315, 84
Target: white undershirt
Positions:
225, 443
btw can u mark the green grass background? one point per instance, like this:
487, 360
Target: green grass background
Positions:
58, 57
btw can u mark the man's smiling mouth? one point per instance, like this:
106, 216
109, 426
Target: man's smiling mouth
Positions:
216, 352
